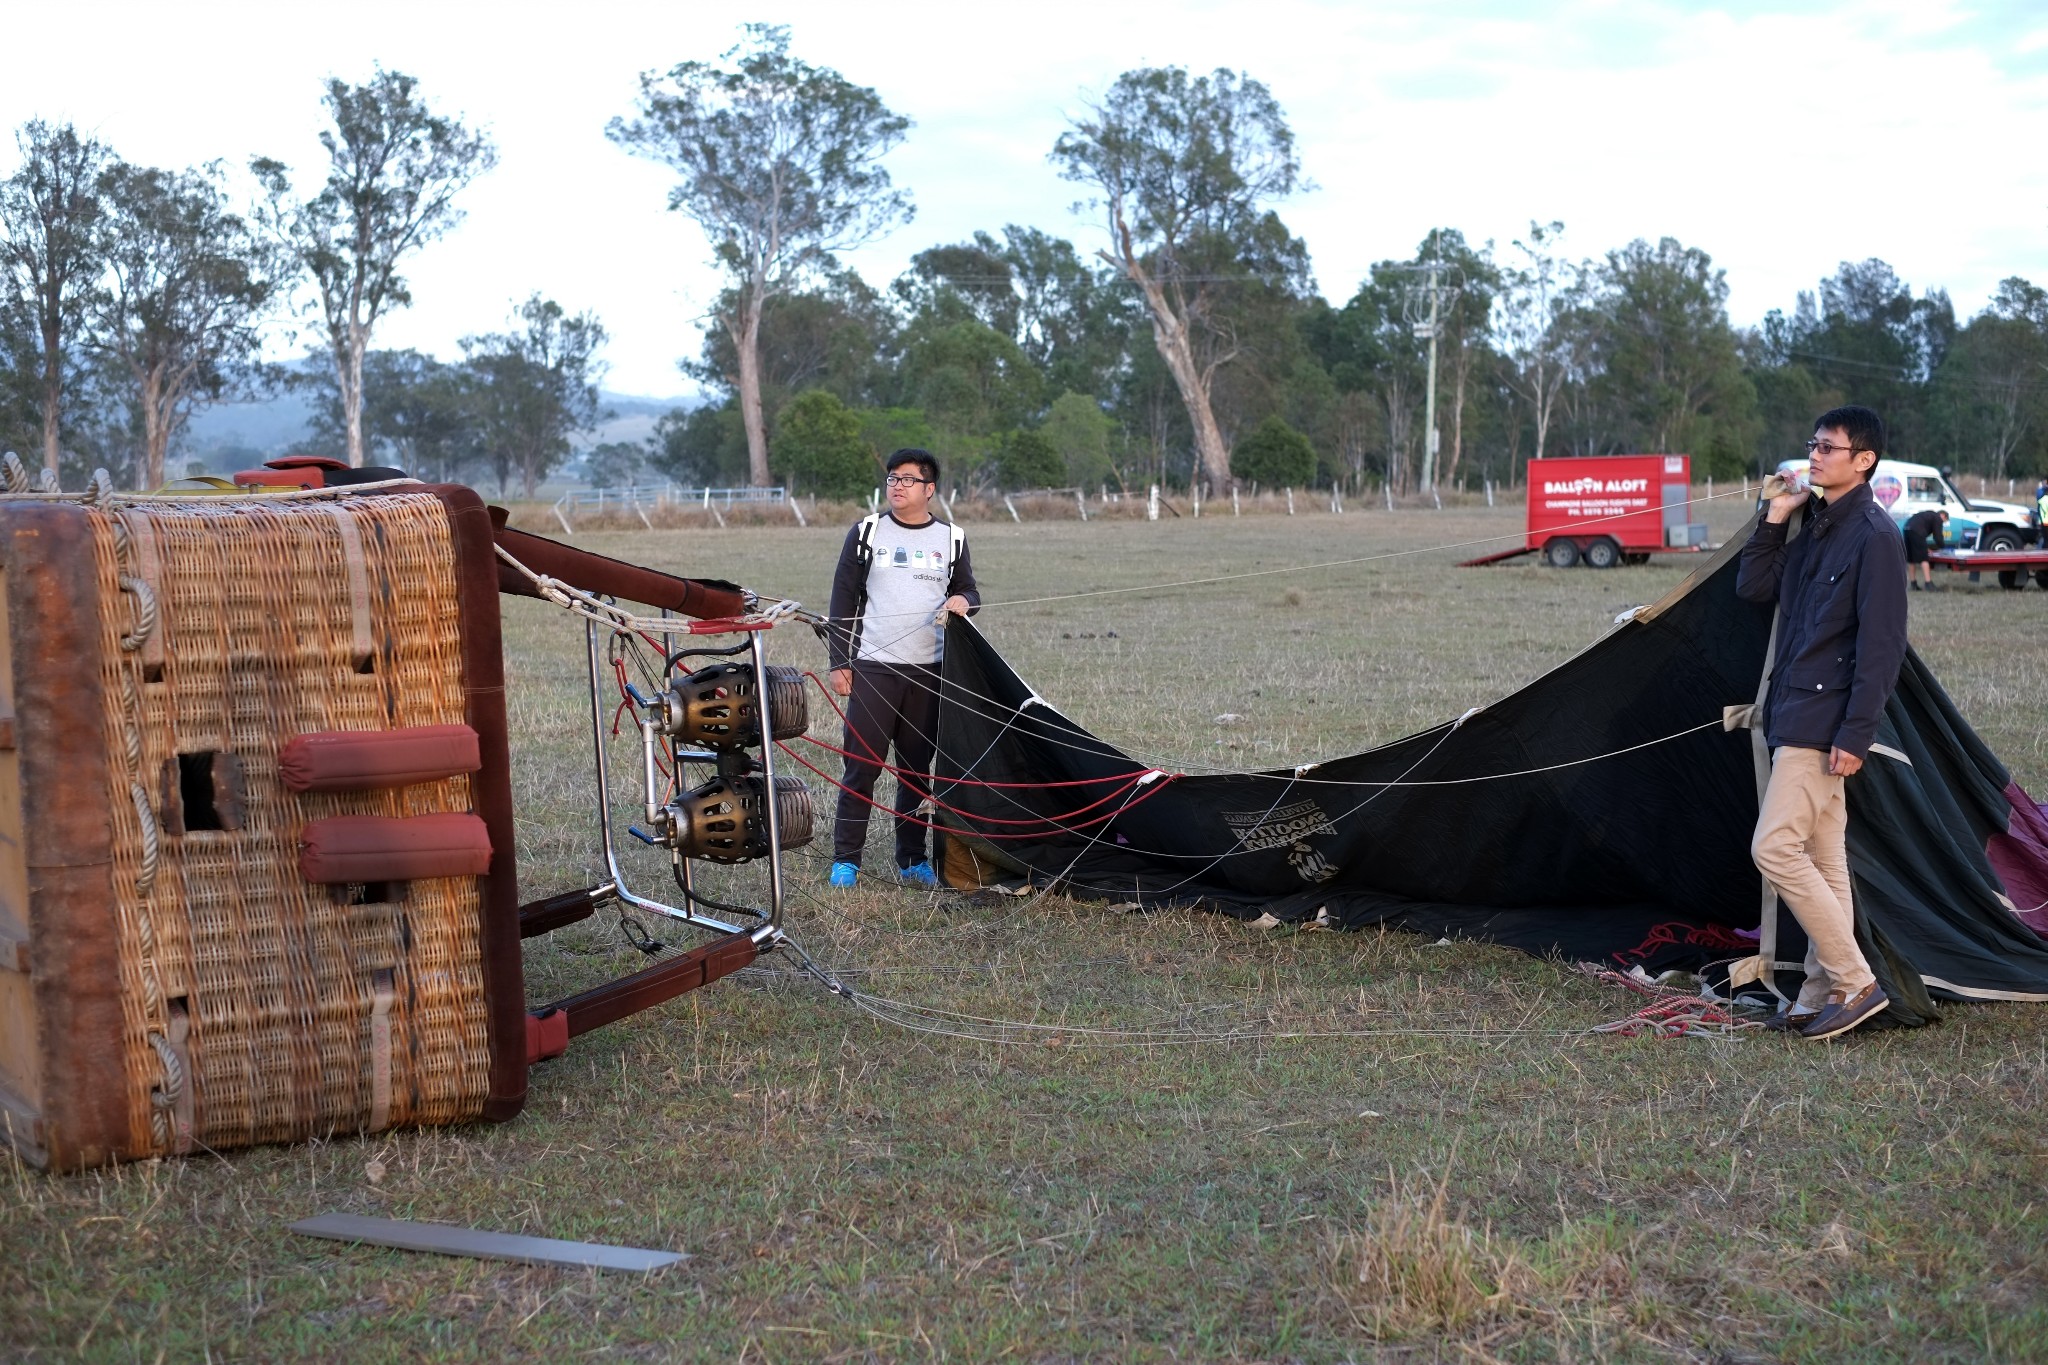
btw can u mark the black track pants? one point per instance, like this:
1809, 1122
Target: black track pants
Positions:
892, 705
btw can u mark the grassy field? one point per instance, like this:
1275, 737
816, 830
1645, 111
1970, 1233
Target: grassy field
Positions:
1456, 1170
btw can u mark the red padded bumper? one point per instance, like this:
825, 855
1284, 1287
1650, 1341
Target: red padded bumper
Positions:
359, 760
382, 848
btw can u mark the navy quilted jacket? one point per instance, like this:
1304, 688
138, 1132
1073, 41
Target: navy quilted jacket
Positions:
1841, 594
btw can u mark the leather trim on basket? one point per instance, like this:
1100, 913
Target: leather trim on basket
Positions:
483, 673
55, 610
702, 597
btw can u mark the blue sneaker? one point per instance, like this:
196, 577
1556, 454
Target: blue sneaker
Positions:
919, 874
845, 874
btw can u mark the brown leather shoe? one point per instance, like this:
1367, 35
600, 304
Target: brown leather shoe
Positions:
1840, 1015
1790, 1018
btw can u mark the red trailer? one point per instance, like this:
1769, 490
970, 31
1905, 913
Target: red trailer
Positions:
1605, 510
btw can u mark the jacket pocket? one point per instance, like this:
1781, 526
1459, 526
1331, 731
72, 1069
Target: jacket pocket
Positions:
1834, 595
1830, 674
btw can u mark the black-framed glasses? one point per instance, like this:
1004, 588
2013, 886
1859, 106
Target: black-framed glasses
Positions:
904, 480
1816, 446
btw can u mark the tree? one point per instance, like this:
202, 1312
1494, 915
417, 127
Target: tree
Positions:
1669, 362
780, 165
1991, 390
971, 380
187, 284
1072, 322
1275, 455
394, 169
418, 413
616, 464
51, 245
888, 430
1026, 459
1081, 433
703, 446
1184, 167
831, 336
1532, 296
533, 389
818, 445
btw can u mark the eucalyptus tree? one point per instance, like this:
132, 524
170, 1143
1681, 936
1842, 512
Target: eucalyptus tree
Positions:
1183, 168
779, 163
1668, 361
52, 244
1990, 395
394, 170
1533, 294
533, 388
187, 284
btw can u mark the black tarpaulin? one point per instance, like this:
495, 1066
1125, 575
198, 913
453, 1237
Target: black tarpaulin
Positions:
1602, 812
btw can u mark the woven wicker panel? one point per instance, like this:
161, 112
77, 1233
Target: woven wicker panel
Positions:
276, 980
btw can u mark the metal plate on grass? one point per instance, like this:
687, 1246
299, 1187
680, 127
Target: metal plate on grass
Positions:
502, 1246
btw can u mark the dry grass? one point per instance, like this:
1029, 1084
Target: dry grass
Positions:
849, 1189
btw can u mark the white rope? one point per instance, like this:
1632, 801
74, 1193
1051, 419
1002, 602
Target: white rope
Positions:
146, 878
145, 612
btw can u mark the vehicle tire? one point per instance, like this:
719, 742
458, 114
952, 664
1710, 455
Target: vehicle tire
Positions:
1641, 557
2041, 579
1561, 553
1603, 554
2002, 540
2012, 580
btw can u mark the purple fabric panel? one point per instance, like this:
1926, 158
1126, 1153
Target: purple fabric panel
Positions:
2020, 857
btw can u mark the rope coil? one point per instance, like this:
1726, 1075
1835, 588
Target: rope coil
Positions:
145, 612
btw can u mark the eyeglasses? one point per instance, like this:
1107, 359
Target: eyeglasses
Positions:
1827, 448
904, 480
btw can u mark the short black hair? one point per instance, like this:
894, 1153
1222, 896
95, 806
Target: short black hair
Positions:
1863, 427
926, 464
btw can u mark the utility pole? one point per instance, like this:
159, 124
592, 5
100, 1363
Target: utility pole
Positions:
1429, 437
1440, 296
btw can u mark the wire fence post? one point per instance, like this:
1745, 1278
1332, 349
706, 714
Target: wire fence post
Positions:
1290, 502
1081, 501
1233, 500
1013, 509
1152, 504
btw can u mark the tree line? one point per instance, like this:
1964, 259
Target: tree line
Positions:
131, 297
134, 296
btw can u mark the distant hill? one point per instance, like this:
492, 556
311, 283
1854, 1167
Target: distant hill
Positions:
235, 435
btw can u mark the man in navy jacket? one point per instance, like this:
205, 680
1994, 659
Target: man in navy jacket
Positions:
1841, 637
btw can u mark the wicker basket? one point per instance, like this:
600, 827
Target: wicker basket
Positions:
168, 982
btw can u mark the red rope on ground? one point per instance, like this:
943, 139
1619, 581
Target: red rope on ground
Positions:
1677, 932
963, 781
1157, 787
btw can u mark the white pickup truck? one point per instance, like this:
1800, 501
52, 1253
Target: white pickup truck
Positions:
1973, 523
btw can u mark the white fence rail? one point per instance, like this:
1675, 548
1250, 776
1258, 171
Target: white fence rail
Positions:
638, 501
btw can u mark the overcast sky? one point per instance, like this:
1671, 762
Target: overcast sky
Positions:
1781, 140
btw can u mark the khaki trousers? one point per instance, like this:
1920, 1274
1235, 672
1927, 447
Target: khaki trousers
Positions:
1801, 846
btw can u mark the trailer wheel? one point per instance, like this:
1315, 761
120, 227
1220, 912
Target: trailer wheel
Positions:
1603, 554
2041, 578
1561, 553
2012, 580
1639, 557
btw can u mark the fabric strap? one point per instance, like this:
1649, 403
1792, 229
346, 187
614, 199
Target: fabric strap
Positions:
362, 645
380, 1052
